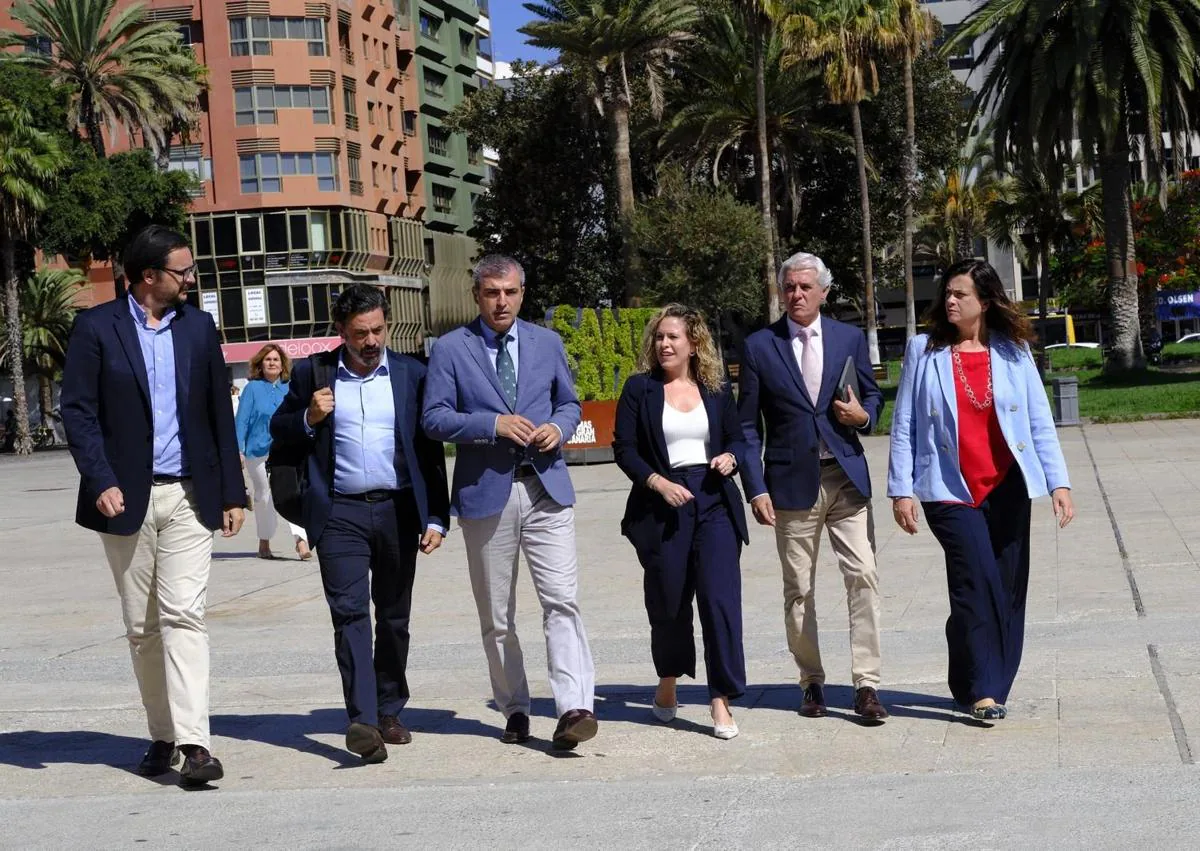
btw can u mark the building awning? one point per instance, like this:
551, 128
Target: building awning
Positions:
294, 349
1178, 305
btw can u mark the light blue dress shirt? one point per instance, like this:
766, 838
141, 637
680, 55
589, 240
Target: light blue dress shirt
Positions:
364, 432
158, 352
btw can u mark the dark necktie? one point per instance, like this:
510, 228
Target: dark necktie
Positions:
505, 370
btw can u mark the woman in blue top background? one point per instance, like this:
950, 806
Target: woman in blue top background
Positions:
270, 370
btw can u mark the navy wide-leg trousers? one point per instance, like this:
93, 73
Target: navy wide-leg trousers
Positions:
699, 557
987, 574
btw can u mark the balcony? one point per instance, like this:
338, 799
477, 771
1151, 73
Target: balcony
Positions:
347, 56
351, 122
356, 187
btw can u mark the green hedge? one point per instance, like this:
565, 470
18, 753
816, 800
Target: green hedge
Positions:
602, 346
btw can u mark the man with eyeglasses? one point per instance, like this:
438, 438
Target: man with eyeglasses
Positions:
145, 403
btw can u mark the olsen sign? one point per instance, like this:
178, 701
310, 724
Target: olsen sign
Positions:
242, 352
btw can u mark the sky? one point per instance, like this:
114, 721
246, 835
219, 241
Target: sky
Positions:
507, 16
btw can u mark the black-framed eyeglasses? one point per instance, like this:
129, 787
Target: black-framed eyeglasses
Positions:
181, 274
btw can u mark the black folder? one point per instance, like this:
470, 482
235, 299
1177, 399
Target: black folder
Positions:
849, 377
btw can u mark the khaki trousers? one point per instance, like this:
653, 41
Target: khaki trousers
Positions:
535, 524
846, 513
162, 577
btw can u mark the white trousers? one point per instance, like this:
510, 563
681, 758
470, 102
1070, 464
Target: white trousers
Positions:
162, 576
535, 524
265, 517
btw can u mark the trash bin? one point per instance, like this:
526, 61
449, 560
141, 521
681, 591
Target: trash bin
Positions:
1064, 394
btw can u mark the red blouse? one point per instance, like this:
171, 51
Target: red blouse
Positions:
983, 454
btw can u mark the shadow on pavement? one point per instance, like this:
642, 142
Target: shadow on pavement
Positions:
38, 749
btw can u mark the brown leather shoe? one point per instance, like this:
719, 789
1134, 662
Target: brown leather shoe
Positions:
867, 705
576, 725
199, 767
516, 730
814, 702
394, 733
367, 742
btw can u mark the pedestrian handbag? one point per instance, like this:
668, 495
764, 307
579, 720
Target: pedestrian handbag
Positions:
287, 463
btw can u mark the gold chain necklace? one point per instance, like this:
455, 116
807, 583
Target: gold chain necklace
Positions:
962, 376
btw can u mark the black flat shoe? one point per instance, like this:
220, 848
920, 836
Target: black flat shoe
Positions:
160, 758
995, 712
200, 767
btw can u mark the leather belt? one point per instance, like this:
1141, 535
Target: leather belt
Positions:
161, 479
369, 496
524, 471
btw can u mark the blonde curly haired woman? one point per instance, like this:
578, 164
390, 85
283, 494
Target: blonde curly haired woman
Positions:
679, 440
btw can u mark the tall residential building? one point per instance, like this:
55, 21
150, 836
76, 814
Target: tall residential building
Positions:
322, 162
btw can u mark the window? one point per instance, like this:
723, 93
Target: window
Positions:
430, 26
185, 34
435, 83
395, 179
38, 44
443, 199
370, 112
353, 163
258, 104
410, 122
349, 107
375, 175
485, 47
253, 36
466, 41
189, 159
265, 172
439, 141
391, 117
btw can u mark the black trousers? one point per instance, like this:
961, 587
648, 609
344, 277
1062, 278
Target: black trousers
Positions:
699, 557
368, 553
987, 574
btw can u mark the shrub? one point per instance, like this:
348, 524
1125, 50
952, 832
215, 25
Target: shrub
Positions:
602, 346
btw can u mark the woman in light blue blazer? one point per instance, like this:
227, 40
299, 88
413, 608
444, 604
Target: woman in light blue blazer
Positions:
974, 441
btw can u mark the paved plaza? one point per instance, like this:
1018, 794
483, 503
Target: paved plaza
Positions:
1098, 750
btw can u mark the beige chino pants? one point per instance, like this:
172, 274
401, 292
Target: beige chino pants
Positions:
162, 577
846, 513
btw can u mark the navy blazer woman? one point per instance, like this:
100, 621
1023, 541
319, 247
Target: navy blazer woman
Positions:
640, 449
692, 550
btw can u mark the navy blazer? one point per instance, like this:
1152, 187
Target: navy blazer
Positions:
106, 413
640, 449
424, 459
772, 394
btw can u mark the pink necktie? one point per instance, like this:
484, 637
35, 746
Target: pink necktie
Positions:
809, 369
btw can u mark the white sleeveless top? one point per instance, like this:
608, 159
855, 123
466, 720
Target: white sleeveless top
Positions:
686, 435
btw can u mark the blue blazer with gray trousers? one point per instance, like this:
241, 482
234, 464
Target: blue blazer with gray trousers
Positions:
463, 398
923, 461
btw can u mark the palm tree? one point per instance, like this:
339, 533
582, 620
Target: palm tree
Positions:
1100, 71
121, 68
29, 159
47, 310
916, 30
170, 115
716, 121
608, 38
846, 37
1031, 204
955, 203
760, 17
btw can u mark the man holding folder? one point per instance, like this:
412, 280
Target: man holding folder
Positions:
799, 383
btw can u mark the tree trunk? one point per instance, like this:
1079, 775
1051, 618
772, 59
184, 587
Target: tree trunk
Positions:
1125, 352
619, 110
46, 399
92, 121
910, 179
16, 349
764, 174
1043, 280
868, 266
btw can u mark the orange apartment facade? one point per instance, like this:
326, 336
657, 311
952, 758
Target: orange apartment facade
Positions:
311, 160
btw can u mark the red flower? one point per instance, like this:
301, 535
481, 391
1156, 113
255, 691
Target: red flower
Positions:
1141, 268
1162, 279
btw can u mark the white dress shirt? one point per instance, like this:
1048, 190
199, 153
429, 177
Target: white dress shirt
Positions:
818, 354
